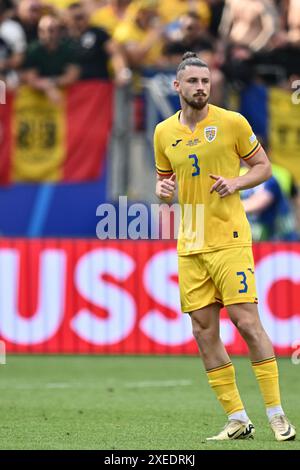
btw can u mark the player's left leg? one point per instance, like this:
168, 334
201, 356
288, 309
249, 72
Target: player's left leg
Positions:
233, 274
246, 318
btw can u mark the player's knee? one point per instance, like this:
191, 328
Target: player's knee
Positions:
197, 331
203, 335
249, 328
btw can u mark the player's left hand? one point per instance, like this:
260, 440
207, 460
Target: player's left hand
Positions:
223, 186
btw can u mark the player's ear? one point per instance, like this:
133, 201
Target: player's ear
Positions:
176, 84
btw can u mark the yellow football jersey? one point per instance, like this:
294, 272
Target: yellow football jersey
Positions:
208, 222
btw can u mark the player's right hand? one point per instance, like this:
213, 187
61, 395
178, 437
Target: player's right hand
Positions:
165, 188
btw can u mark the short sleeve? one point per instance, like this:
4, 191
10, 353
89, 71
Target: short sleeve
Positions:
162, 163
247, 144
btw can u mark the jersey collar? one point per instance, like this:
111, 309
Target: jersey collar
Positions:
200, 124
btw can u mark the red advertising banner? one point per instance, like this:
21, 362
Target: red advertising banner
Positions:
87, 296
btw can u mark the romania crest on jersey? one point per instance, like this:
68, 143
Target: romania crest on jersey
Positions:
210, 133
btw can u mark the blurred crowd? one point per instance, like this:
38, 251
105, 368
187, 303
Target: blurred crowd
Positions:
50, 44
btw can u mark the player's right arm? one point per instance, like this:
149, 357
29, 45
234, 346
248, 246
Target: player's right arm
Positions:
165, 187
165, 181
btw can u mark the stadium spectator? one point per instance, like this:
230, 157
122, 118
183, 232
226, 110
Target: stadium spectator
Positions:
94, 48
141, 34
290, 189
29, 12
269, 212
108, 16
249, 23
216, 10
12, 48
13, 35
283, 49
293, 21
193, 36
51, 62
98, 54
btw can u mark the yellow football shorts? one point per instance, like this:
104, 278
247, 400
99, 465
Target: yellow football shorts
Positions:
225, 276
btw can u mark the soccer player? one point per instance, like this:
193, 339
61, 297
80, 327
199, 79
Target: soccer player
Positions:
201, 146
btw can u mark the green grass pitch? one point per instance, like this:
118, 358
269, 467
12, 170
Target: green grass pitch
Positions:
100, 402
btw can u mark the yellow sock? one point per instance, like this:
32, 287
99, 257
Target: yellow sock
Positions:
266, 372
222, 381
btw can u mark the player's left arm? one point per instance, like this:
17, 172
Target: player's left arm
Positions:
260, 171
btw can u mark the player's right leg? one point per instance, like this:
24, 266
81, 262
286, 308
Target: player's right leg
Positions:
220, 373
198, 298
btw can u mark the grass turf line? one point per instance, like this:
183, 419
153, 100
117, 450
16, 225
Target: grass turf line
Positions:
101, 402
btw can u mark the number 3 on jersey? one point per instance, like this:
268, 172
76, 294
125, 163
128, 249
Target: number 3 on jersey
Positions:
243, 282
195, 165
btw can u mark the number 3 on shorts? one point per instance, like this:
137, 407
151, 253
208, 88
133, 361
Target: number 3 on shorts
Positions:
195, 165
243, 281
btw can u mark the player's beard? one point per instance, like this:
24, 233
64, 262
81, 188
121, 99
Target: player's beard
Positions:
194, 103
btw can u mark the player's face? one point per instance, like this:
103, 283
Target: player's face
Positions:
193, 86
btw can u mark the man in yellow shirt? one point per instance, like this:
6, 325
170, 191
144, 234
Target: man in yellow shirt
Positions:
201, 146
141, 34
110, 15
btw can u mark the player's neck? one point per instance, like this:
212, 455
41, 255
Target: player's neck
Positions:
190, 116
